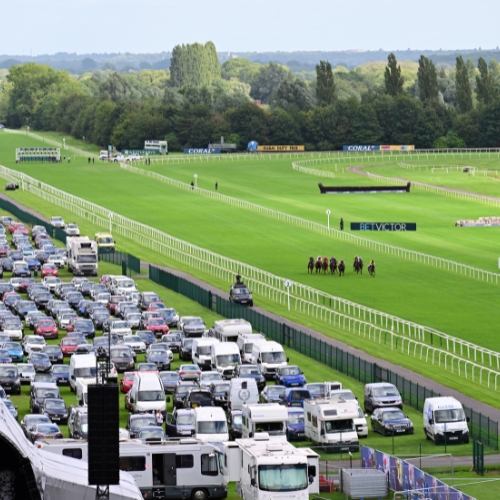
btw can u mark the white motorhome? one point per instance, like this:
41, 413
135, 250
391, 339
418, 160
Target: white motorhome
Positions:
242, 391
147, 393
271, 469
186, 468
270, 418
269, 356
227, 330
332, 424
225, 357
245, 343
82, 255
445, 420
201, 353
82, 366
210, 424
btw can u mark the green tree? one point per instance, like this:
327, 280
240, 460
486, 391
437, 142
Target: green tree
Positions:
294, 93
88, 64
250, 122
365, 127
489, 125
325, 84
241, 69
427, 80
427, 128
405, 112
268, 80
117, 88
464, 93
486, 89
284, 129
466, 126
392, 76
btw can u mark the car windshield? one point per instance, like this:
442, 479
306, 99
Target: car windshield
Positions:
105, 239
47, 393
385, 391
183, 389
57, 404
296, 418
60, 369
84, 323
222, 388
85, 372
170, 376
237, 420
132, 338
273, 357
228, 359
345, 425
210, 376
143, 422
450, 415
146, 367
13, 346
121, 353
38, 356
36, 340
249, 371
47, 429
345, 395
316, 390
204, 350
52, 349
46, 323
26, 368
10, 372
156, 322
151, 433
299, 395
291, 370
212, 427
274, 390
185, 419
151, 396
393, 415
87, 259
120, 324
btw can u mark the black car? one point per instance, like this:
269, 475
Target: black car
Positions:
40, 361
78, 422
251, 371
198, 397
21, 272
160, 358
123, 358
137, 421
54, 353
240, 294
391, 421
170, 381
55, 409
39, 391
186, 349
10, 379
234, 420
29, 421
219, 390
181, 391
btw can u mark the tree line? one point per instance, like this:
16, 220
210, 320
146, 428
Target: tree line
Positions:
197, 101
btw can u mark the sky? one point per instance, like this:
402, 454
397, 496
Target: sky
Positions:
35, 27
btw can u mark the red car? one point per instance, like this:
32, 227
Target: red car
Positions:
157, 326
127, 381
49, 270
18, 226
68, 345
114, 301
4, 250
47, 328
154, 306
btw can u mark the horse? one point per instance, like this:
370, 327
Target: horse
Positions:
317, 265
358, 266
310, 265
333, 265
371, 270
324, 265
341, 268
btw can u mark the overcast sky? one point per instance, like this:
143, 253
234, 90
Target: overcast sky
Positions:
138, 26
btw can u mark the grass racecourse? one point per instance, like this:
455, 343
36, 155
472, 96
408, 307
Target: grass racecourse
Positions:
460, 306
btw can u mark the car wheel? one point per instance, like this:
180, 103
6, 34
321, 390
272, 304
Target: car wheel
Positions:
199, 494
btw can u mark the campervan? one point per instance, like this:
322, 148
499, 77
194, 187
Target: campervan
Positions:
225, 357
147, 393
270, 418
245, 343
331, 424
210, 424
82, 255
202, 351
227, 330
82, 366
242, 391
269, 356
445, 420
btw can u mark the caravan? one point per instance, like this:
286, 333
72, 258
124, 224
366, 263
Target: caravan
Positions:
210, 424
245, 343
270, 418
228, 330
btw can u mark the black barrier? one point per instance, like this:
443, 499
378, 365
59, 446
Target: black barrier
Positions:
383, 226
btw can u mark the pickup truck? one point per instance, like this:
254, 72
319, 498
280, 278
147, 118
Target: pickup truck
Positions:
180, 423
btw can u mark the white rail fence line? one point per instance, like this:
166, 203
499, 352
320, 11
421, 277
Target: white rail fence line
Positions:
262, 280
413, 255
313, 171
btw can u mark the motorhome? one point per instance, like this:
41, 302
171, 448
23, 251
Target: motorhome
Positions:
227, 330
269, 356
210, 424
245, 343
186, 468
331, 424
82, 255
445, 420
202, 351
270, 418
225, 357
83, 366
242, 391
271, 469
147, 393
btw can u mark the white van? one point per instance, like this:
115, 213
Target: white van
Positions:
210, 424
269, 356
444, 419
242, 391
201, 353
82, 366
227, 330
225, 357
104, 154
82, 390
245, 343
147, 393
270, 418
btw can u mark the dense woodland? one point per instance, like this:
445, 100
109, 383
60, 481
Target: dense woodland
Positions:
197, 100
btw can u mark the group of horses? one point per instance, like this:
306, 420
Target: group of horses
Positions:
337, 267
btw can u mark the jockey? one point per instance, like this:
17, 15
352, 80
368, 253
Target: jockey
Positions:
319, 258
325, 259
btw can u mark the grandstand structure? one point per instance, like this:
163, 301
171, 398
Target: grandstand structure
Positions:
51, 155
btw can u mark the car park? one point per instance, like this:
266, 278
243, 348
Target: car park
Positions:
251, 371
391, 422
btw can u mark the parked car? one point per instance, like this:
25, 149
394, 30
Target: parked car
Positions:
78, 422
151, 433
240, 293
234, 419
219, 390
46, 431
295, 427
186, 349
27, 372
181, 391
137, 421
206, 378
57, 221
251, 371
126, 381
391, 421
290, 376
47, 329
123, 357
40, 361
135, 343
157, 326
54, 353
197, 397
14, 350
55, 409
294, 396
10, 379
189, 372
72, 229
33, 343
60, 373
191, 326
39, 391
272, 393
180, 423
160, 355
29, 422
170, 380
173, 340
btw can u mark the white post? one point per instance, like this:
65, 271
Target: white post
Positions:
64, 143
328, 212
22, 187
110, 223
288, 284
195, 180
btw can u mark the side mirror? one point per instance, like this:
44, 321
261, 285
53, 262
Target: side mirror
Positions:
431, 422
250, 434
253, 482
311, 479
288, 360
467, 419
322, 432
168, 399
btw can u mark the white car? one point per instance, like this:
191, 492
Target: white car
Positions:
33, 343
117, 158
63, 319
72, 229
26, 372
120, 328
133, 158
206, 378
361, 424
112, 374
103, 297
133, 319
57, 260
13, 328
57, 221
51, 282
135, 343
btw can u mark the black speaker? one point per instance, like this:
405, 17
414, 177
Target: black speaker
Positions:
103, 447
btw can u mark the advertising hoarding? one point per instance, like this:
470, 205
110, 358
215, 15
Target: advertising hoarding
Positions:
279, 149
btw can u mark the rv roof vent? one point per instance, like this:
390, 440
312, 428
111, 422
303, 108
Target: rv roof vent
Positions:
261, 436
189, 441
274, 447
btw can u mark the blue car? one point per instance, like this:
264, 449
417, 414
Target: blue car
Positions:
32, 263
295, 396
290, 376
295, 425
12, 409
15, 351
40, 361
60, 373
4, 356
